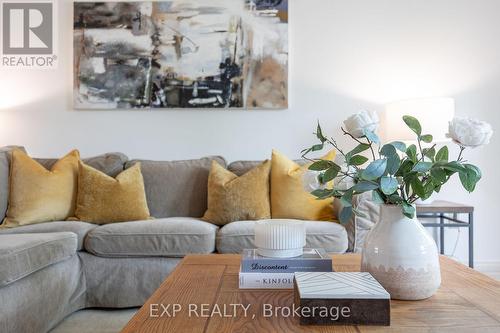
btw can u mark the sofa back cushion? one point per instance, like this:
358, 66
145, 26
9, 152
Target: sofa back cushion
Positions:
177, 188
4, 178
241, 167
110, 163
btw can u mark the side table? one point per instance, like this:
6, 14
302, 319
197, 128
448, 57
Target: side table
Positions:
447, 214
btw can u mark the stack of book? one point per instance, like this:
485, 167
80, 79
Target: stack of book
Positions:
259, 272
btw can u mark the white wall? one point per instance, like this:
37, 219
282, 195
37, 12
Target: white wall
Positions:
345, 55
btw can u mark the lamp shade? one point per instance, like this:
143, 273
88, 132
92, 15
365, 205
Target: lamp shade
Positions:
433, 114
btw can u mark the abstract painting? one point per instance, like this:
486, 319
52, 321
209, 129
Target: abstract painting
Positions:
181, 54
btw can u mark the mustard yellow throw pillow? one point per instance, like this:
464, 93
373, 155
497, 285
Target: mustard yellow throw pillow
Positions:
39, 195
289, 200
232, 198
103, 199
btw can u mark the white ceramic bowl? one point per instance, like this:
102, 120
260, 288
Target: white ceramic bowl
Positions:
280, 238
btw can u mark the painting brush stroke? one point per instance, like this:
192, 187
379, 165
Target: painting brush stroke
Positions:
181, 54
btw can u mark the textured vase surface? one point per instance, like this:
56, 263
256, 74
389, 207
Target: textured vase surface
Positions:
402, 256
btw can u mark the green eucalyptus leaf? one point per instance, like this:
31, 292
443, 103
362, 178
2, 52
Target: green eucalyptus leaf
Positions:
407, 178
453, 166
469, 177
329, 175
439, 175
401, 146
320, 165
364, 186
345, 214
442, 154
430, 153
322, 193
319, 133
417, 187
467, 180
371, 136
317, 147
388, 150
476, 170
405, 168
422, 167
427, 138
395, 199
413, 124
346, 198
428, 189
407, 189
408, 210
393, 164
357, 160
359, 149
375, 169
411, 152
388, 185
377, 197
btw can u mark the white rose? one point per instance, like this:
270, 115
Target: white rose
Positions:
363, 120
469, 132
310, 181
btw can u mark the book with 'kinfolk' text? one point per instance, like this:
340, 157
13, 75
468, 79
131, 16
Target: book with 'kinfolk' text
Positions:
266, 280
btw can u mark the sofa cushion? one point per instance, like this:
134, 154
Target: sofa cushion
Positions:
169, 237
235, 198
79, 228
110, 163
177, 188
103, 199
23, 254
39, 195
4, 178
289, 200
237, 236
241, 167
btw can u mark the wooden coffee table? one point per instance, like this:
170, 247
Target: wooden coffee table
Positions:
467, 301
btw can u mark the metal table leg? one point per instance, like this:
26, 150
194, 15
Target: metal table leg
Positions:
471, 240
441, 233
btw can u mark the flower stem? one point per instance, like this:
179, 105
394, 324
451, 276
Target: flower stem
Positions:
352, 136
420, 148
371, 148
462, 148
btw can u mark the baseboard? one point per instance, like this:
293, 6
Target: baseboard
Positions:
491, 268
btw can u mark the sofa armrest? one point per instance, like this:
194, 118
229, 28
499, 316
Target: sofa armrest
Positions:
358, 226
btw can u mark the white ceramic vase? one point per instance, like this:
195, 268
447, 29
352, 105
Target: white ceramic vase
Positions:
402, 256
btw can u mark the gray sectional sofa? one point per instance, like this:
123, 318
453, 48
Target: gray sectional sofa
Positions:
49, 270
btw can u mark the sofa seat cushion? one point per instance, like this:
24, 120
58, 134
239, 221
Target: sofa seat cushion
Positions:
237, 236
168, 237
79, 228
24, 254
